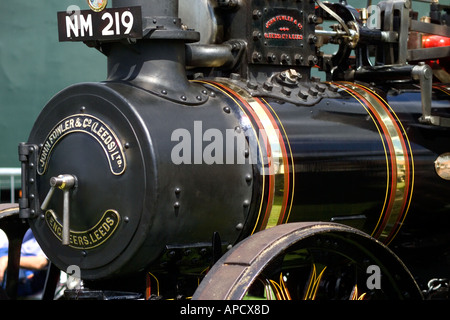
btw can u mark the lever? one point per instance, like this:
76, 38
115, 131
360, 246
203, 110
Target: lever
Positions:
424, 74
65, 182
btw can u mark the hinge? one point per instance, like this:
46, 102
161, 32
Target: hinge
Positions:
29, 202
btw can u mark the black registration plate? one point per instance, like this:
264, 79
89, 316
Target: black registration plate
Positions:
109, 24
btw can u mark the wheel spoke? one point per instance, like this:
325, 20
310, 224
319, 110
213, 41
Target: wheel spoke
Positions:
313, 284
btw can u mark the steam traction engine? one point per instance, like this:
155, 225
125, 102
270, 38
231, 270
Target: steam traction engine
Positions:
212, 164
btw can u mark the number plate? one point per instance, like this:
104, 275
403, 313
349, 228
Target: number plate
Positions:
109, 24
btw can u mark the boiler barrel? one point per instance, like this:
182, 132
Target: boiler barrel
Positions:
358, 157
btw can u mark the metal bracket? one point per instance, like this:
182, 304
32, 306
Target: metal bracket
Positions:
389, 9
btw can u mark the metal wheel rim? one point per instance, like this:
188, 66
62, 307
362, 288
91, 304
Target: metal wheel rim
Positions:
235, 273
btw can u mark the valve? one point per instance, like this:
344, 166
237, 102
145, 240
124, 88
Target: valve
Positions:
65, 182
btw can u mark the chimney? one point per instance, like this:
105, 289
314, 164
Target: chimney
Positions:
157, 61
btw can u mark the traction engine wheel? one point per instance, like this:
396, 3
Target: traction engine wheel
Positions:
309, 261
